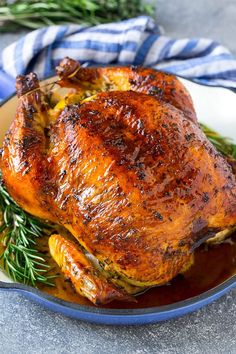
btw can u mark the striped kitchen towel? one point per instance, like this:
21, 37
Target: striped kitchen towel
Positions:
137, 41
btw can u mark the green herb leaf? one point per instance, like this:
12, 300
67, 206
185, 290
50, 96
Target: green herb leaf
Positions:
19, 232
222, 144
35, 14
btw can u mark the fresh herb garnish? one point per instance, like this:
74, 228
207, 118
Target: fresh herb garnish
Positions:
222, 144
35, 14
18, 233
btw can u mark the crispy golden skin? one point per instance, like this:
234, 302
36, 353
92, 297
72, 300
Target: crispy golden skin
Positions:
86, 280
144, 80
131, 176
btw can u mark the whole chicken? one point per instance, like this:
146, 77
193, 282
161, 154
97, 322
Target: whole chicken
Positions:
121, 163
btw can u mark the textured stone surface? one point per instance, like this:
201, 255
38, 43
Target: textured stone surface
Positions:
28, 328
199, 18
185, 18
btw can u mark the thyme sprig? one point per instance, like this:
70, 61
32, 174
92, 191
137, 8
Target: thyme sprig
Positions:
222, 144
18, 234
34, 14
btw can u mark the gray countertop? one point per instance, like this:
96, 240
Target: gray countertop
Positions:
28, 328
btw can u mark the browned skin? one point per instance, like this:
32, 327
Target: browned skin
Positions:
145, 80
86, 280
133, 178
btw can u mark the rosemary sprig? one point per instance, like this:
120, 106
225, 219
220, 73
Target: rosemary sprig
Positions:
18, 233
222, 144
35, 14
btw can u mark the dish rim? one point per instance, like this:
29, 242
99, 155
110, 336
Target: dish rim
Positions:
122, 316
228, 284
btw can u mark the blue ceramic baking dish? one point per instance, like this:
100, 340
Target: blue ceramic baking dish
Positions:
216, 108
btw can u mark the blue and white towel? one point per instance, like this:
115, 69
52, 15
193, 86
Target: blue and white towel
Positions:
137, 41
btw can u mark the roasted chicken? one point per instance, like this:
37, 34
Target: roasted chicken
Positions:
121, 162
